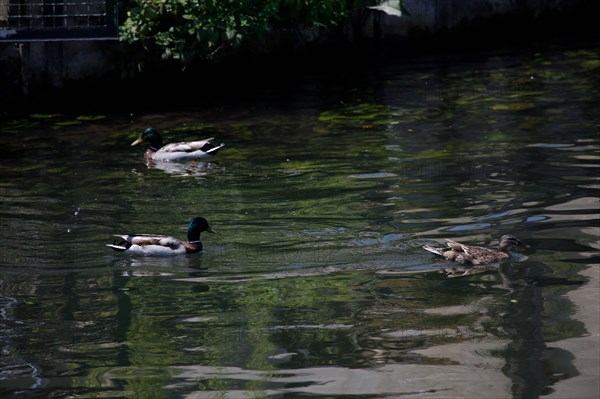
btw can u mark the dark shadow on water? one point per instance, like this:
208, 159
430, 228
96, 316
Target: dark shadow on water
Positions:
531, 364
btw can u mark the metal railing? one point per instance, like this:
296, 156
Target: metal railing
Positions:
47, 20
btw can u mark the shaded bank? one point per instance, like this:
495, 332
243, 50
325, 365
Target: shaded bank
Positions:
97, 73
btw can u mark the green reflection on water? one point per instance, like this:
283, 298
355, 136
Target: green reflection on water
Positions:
319, 211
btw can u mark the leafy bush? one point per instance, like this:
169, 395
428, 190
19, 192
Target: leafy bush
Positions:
202, 29
188, 30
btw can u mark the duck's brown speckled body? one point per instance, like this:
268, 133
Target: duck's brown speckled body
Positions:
474, 255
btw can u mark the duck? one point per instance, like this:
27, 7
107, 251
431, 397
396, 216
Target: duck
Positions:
163, 245
181, 151
474, 255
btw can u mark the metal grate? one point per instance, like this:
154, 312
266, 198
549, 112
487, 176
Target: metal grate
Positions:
43, 20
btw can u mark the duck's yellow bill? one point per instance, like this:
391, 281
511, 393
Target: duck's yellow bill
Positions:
210, 230
137, 141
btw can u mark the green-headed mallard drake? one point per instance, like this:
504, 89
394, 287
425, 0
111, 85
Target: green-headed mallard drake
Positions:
161, 245
474, 255
182, 151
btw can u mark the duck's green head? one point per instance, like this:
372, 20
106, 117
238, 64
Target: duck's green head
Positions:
151, 136
196, 226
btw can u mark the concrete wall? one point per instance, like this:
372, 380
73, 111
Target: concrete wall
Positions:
444, 15
51, 64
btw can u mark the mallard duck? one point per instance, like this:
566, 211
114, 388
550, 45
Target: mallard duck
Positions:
474, 255
161, 245
182, 151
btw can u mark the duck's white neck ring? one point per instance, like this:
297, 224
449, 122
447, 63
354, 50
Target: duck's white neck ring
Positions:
195, 242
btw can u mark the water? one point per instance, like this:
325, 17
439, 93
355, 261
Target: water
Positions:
316, 283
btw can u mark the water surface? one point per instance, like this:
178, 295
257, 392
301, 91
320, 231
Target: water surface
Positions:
316, 283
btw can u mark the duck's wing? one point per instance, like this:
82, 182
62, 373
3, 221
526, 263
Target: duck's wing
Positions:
151, 239
462, 253
456, 246
148, 245
188, 146
482, 255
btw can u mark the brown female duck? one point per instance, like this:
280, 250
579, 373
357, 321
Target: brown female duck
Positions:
461, 253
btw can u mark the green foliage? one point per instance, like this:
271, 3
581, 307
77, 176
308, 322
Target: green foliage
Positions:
188, 30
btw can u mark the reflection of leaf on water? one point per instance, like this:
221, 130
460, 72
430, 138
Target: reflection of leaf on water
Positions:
359, 114
218, 385
513, 106
45, 116
20, 125
591, 64
56, 120
90, 117
67, 123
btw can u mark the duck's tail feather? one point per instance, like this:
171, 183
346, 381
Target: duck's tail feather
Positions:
215, 149
434, 250
116, 247
119, 245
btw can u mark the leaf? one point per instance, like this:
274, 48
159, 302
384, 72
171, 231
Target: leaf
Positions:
230, 33
390, 7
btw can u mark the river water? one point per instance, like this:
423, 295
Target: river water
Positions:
315, 284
